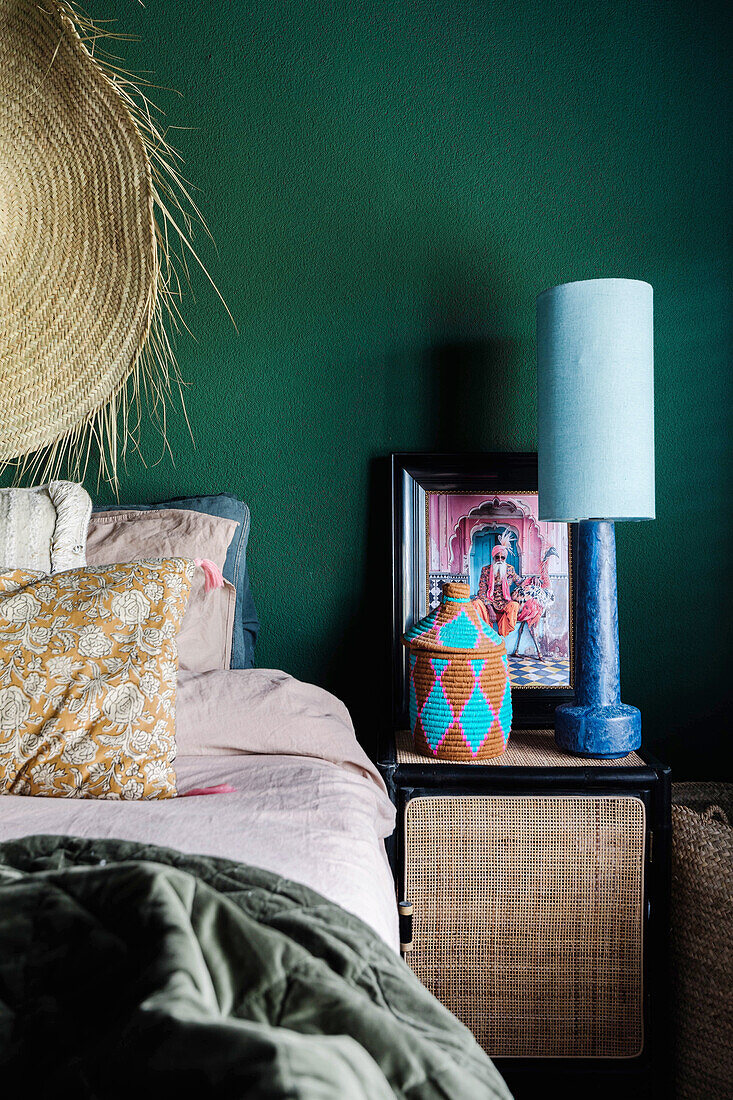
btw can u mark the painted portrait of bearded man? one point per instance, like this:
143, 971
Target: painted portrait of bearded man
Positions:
495, 589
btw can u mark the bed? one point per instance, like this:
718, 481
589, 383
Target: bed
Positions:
308, 803
219, 924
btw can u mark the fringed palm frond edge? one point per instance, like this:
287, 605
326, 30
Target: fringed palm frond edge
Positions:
154, 378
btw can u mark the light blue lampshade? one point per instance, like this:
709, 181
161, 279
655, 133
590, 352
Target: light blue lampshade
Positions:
595, 392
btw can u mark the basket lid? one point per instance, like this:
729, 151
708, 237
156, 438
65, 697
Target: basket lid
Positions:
455, 626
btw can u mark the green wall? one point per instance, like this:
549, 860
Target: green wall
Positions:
390, 185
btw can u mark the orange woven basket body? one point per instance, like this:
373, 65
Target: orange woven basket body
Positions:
460, 695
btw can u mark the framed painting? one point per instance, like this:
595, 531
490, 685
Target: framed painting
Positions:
474, 519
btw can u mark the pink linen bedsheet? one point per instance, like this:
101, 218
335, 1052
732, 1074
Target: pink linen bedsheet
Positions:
308, 805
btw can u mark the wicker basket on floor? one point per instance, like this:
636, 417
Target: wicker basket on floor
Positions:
702, 939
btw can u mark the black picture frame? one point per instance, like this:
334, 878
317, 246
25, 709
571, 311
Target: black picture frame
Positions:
413, 477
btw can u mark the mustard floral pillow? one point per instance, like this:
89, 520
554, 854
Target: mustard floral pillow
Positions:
88, 665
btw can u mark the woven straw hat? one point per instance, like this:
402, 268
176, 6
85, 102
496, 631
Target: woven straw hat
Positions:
80, 254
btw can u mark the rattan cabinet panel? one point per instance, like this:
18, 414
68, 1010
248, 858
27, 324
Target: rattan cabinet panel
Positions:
528, 918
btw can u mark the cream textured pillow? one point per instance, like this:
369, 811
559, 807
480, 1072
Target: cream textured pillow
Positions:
44, 528
88, 668
205, 639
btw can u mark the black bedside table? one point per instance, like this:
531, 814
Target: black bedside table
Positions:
539, 884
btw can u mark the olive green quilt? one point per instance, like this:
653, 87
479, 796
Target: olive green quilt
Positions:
129, 970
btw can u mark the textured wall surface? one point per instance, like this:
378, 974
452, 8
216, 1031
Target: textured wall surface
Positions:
390, 184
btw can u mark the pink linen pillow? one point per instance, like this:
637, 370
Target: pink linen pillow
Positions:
205, 637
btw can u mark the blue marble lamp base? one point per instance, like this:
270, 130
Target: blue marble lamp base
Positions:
598, 724
609, 732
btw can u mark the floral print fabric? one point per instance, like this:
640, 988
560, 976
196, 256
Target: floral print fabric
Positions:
88, 665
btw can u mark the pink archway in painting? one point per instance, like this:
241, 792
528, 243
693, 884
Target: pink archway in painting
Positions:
455, 518
463, 524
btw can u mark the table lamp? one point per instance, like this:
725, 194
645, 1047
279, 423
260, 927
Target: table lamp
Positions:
595, 392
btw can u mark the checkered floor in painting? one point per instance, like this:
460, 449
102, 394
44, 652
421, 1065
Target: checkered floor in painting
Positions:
547, 673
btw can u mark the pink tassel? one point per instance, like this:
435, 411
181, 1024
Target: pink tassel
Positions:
223, 788
212, 573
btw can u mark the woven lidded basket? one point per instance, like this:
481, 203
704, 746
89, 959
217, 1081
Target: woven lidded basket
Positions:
460, 695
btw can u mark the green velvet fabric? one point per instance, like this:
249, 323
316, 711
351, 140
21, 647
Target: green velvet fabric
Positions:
127, 968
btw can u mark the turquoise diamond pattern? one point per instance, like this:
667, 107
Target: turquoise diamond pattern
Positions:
459, 633
489, 632
476, 719
423, 627
436, 713
413, 692
505, 711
